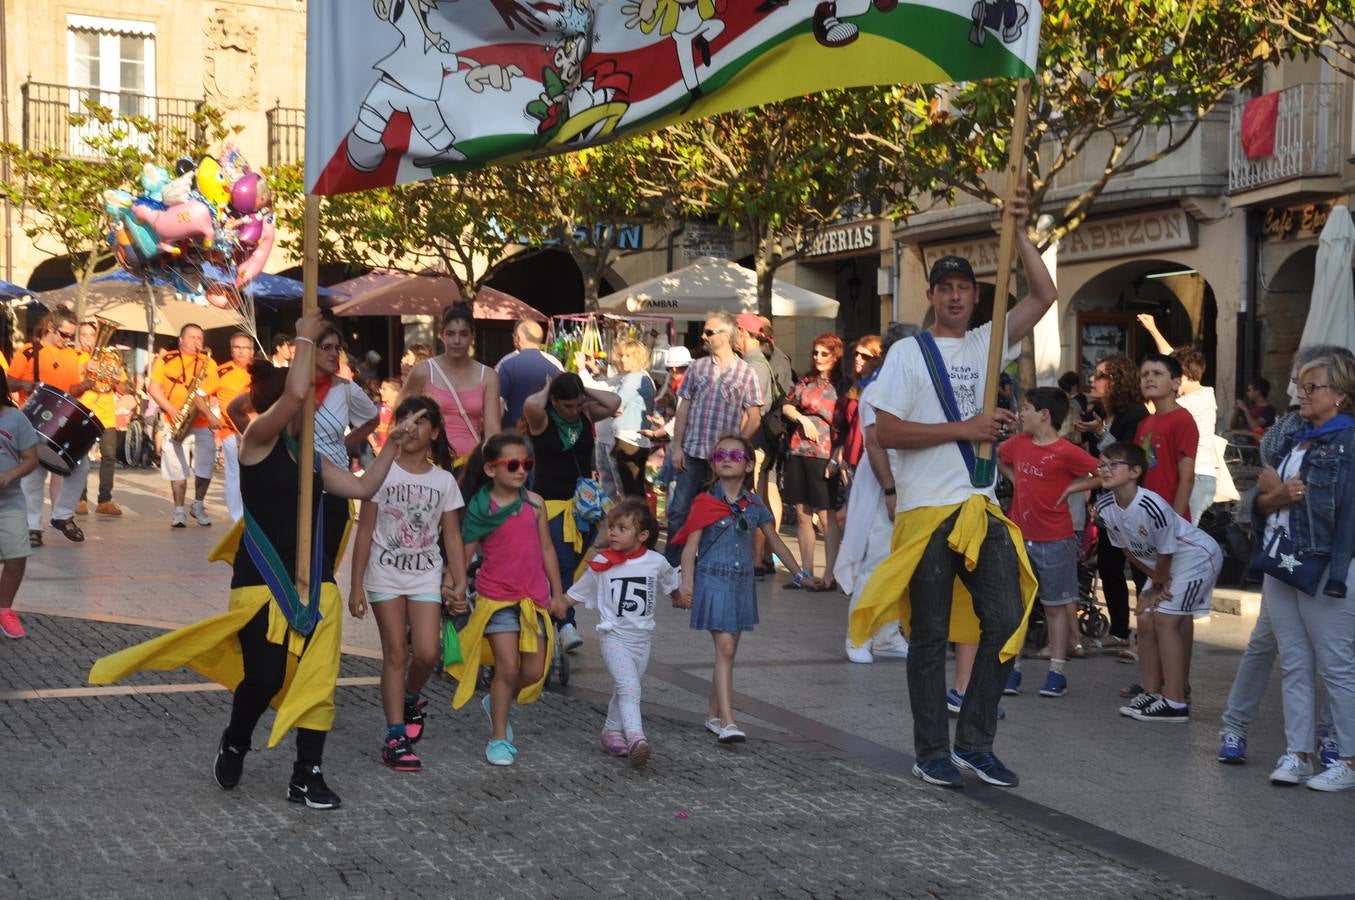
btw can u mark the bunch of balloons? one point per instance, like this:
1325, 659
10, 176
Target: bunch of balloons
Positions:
207, 231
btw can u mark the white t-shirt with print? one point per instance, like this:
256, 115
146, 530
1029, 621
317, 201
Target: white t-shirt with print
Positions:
934, 476
625, 595
405, 558
1149, 526
345, 406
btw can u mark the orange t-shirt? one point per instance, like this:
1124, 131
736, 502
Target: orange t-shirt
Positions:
232, 381
58, 366
175, 372
105, 405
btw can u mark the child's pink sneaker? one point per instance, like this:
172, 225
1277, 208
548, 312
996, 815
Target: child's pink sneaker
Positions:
614, 742
10, 625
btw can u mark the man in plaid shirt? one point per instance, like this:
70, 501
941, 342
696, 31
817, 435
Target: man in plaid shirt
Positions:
720, 395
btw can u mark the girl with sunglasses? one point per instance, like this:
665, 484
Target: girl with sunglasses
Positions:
517, 588
717, 569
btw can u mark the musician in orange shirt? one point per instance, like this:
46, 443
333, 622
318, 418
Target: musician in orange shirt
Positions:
233, 381
49, 358
171, 380
108, 379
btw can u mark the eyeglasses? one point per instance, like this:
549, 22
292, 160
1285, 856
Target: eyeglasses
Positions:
1105, 375
1309, 388
730, 455
859, 354
1110, 464
711, 332
330, 347
67, 335
512, 465
822, 353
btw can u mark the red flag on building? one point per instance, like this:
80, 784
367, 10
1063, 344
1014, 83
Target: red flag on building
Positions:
1258, 125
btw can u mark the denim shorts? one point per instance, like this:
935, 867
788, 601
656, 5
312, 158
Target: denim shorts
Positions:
382, 596
1055, 564
506, 620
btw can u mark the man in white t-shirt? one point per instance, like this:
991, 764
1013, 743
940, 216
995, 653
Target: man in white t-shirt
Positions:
933, 482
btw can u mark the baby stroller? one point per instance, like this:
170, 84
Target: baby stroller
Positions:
1092, 621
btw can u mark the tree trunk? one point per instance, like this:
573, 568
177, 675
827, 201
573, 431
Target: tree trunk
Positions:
766, 273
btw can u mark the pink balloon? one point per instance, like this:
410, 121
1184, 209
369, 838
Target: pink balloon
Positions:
190, 219
250, 230
250, 194
254, 263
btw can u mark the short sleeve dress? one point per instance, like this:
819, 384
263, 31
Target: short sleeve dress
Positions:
724, 591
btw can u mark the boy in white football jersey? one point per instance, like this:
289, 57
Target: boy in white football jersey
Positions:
1182, 563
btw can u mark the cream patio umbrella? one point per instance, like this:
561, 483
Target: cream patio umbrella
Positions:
1331, 313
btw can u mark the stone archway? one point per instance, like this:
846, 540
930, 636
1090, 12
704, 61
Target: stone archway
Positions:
1281, 310
547, 279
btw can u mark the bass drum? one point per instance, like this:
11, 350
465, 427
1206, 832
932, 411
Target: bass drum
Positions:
67, 428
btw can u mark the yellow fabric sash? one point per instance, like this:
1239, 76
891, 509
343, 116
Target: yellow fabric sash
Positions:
476, 650
885, 596
566, 507
211, 648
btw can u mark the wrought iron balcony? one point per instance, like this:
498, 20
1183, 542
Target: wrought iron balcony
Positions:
286, 135
48, 108
1308, 132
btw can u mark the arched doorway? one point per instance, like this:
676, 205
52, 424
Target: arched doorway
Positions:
1281, 311
1102, 317
547, 279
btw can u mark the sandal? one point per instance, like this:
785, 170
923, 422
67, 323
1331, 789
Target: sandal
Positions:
822, 587
1132, 691
69, 529
1077, 652
35, 538
1127, 656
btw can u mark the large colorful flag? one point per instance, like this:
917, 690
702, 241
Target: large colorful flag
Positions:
401, 90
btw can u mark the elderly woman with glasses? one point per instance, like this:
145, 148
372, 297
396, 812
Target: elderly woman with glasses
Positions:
810, 409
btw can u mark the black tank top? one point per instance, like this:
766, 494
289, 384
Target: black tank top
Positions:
269, 490
558, 469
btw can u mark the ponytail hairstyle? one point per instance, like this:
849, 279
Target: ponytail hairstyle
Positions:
473, 477
266, 383
439, 450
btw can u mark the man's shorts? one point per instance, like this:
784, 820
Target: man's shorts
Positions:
197, 454
1055, 564
14, 534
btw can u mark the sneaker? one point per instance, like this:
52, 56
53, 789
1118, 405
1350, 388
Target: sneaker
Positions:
484, 704
1013, 685
178, 520
860, 654
1328, 751
614, 742
308, 786
894, 647
985, 765
570, 640
229, 765
108, 508
732, 734
82, 508
400, 756
414, 718
499, 753
1162, 711
200, 513
1338, 777
638, 751
1055, 685
714, 725
1232, 748
940, 772
1140, 701
10, 626
1290, 769
954, 700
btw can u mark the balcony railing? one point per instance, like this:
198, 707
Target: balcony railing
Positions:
286, 135
1307, 139
47, 110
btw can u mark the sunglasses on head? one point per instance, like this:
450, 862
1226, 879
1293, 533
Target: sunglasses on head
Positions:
512, 465
731, 455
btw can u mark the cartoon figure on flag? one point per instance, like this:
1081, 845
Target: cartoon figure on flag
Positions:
691, 25
412, 77
575, 107
832, 20
1008, 15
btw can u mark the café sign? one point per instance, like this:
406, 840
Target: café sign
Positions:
850, 238
1284, 223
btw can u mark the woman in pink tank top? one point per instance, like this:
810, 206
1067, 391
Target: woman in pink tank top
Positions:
466, 391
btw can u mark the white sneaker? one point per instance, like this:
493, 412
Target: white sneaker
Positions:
893, 647
200, 513
860, 654
178, 520
570, 639
732, 734
714, 725
1289, 769
1339, 776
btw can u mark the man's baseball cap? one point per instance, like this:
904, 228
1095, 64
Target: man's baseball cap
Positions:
749, 323
678, 357
951, 265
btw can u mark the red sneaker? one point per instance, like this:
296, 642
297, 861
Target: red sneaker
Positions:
10, 625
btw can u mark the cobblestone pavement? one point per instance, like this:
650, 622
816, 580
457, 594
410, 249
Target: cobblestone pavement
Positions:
111, 796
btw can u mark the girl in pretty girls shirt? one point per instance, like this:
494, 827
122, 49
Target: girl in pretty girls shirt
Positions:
398, 571
717, 569
517, 588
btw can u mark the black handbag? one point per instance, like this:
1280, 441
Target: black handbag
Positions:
1278, 559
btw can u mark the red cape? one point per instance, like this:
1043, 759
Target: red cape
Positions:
706, 510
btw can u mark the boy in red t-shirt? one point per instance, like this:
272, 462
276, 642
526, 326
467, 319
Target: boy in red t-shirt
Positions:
1045, 469
1169, 437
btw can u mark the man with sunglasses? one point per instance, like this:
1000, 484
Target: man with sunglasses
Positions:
932, 463
52, 358
189, 368
719, 395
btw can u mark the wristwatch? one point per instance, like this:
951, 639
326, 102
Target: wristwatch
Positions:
890, 492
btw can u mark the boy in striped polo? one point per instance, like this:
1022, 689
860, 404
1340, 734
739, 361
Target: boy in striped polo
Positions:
1182, 563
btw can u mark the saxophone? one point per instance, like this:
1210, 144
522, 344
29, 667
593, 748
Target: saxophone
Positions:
184, 422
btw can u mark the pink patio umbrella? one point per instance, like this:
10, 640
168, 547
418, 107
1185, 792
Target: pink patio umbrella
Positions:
385, 292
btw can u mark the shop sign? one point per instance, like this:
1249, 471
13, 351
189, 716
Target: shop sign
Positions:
1295, 223
707, 239
1147, 232
852, 238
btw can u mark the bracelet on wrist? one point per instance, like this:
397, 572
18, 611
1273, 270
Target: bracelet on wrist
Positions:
303, 340
890, 492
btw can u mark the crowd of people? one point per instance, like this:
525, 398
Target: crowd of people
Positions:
501, 497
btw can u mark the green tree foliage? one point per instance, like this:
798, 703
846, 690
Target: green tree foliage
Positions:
60, 197
1319, 26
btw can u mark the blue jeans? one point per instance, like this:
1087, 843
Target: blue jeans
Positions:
568, 556
1202, 495
690, 482
996, 588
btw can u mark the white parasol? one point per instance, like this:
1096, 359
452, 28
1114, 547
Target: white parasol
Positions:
1331, 314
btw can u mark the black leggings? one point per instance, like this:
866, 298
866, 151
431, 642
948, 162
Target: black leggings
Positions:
265, 670
630, 468
1110, 566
